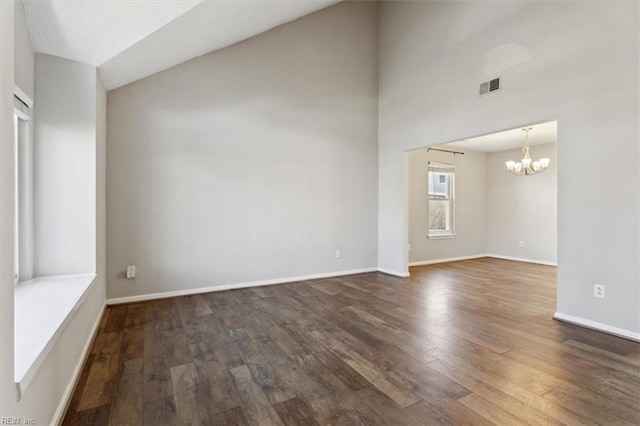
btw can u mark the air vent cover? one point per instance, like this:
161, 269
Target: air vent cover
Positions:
490, 86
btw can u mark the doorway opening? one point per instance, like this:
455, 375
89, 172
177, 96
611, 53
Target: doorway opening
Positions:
465, 203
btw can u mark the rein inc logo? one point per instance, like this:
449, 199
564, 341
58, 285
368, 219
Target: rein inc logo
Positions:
17, 421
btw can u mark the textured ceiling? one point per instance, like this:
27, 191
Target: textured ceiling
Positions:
540, 134
207, 27
94, 31
132, 39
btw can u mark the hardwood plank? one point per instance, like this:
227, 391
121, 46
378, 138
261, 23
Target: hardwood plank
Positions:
261, 369
216, 390
186, 388
347, 375
157, 374
585, 406
261, 292
70, 416
612, 378
489, 411
135, 316
96, 394
104, 367
103, 321
495, 364
392, 413
161, 412
255, 404
200, 306
232, 417
492, 390
132, 344
367, 369
189, 310
98, 416
117, 318
575, 375
127, 404
319, 387
521, 374
476, 380
175, 346
294, 412
223, 347
606, 358
452, 410
329, 396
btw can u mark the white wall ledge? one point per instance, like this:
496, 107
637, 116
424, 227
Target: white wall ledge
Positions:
43, 308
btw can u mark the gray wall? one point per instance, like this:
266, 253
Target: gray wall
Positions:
523, 208
24, 56
64, 167
254, 162
470, 206
434, 55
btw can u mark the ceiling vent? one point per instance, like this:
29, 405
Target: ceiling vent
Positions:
490, 86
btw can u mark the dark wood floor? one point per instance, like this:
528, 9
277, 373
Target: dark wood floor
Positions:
469, 342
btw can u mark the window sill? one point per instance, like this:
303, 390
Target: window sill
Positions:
43, 308
441, 236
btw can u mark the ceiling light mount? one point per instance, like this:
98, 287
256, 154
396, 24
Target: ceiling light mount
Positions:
527, 166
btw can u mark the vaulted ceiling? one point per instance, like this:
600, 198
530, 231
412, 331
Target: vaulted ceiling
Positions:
132, 39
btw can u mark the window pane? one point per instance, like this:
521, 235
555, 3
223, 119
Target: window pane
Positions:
16, 199
439, 215
440, 199
439, 185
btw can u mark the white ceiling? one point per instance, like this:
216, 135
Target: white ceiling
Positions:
540, 134
95, 31
207, 27
132, 39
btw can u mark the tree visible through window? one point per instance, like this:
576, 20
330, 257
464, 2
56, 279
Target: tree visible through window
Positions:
441, 199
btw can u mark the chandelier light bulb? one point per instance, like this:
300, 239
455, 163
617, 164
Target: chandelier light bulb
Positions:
527, 166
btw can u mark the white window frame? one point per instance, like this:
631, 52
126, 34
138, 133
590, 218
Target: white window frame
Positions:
23, 187
433, 167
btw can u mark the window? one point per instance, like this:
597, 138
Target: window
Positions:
16, 199
22, 192
441, 200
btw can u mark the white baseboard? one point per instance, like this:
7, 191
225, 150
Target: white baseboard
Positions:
520, 259
153, 296
394, 273
594, 325
58, 416
450, 259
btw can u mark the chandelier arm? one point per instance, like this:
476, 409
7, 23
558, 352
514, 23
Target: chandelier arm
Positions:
527, 166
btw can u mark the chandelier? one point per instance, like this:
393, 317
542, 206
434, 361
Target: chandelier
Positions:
527, 166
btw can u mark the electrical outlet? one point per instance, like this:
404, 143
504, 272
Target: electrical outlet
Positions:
409, 247
598, 290
520, 243
131, 272
338, 254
